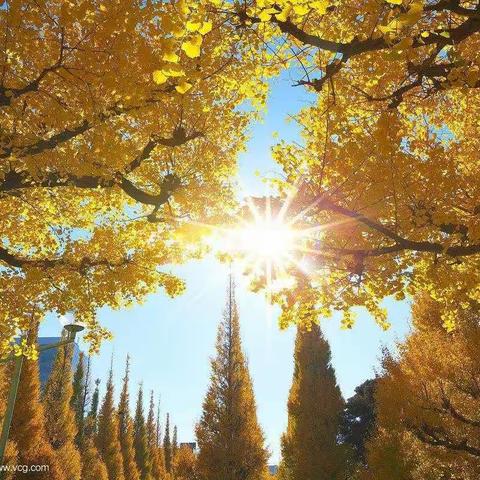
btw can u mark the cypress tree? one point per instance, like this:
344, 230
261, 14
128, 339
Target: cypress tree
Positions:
28, 424
125, 429
92, 417
80, 396
59, 416
93, 467
158, 428
310, 450
156, 454
230, 439
167, 446
174, 443
142, 454
107, 441
11, 453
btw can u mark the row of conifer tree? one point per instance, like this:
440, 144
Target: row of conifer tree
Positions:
82, 436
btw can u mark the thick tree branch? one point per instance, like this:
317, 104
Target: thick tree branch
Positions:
8, 94
44, 145
14, 180
82, 265
399, 243
450, 408
438, 438
356, 47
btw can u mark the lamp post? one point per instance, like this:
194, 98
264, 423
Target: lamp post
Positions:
71, 329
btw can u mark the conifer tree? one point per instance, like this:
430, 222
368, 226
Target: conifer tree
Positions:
167, 446
59, 416
230, 439
174, 443
142, 454
107, 440
158, 427
125, 429
185, 464
93, 467
156, 454
92, 417
80, 396
309, 446
28, 424
11, 453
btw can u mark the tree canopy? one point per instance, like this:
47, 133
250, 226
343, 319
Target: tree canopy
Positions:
122, 121
388, 166
120, 126
427, 402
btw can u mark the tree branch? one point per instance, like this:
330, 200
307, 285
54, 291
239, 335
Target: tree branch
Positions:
438, 438
400, 243
82, 265
14, 180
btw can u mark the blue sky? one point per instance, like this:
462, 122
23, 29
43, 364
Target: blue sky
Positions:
171, 340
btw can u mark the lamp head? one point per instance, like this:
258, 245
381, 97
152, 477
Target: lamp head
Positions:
71, 325
74, 328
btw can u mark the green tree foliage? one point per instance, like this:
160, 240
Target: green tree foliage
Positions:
125, 429
358, 419
167, 446
59, 415
174, 443
310, 449
142, 454
230, 439
79, 394
107, 440
92, 417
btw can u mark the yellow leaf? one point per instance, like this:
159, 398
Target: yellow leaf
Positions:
103, 8
394, 2
445, 34
183, 87
320, 6
173, 71
425, 34
171, 57
193, 26
159, 77
264, 16
301, 9
192, 46
283, 15
205, 28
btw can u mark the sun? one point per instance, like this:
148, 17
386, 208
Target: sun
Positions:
271, 240
265, 244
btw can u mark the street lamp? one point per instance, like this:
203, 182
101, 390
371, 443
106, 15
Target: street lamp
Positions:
71, 328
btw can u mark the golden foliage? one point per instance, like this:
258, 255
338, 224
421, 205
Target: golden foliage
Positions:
309, 445
230, 440
59, 415
28, 424
120, 123
107, 439
388, 167
428, 402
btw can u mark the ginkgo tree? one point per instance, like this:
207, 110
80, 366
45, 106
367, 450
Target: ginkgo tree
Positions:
120, 128
388, 168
